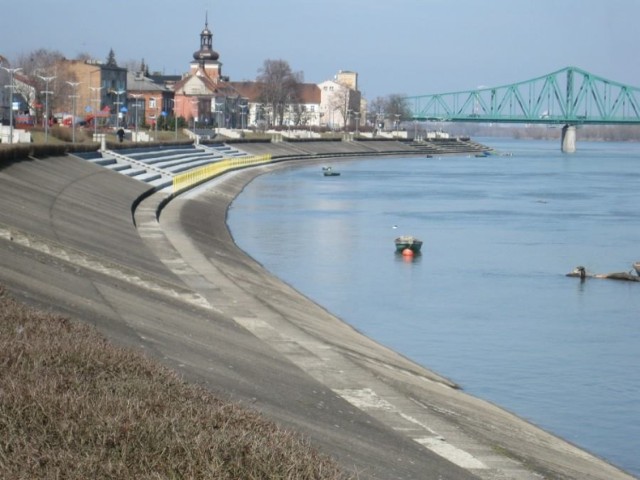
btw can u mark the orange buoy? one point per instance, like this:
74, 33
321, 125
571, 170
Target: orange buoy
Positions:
407, 252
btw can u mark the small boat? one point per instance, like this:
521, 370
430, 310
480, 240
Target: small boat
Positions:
407, 241
328, 172
636, 266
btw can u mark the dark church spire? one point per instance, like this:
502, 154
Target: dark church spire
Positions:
206, 52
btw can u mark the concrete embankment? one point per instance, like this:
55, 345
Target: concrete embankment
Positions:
181, 290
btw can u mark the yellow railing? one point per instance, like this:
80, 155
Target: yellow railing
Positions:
188, 179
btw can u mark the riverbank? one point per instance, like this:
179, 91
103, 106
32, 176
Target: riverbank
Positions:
119, 409
214, 315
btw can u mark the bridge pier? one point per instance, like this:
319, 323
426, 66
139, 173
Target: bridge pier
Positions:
569, 138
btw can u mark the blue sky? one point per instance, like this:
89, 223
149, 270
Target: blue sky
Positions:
409, 47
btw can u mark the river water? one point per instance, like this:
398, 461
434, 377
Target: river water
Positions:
487, 303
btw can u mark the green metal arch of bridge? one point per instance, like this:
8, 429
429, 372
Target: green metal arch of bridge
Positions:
568, 97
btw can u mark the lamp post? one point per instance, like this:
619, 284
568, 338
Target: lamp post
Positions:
397, 115
96, 100
379, 118
242, 116
47, 92
74, 100
11, 86
357, 117
175, 118
136, 96
155, 107
219, 106
117, 105
194, 112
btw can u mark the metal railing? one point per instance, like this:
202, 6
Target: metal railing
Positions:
184, 181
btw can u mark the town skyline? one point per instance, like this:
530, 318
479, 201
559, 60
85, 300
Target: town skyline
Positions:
410, 47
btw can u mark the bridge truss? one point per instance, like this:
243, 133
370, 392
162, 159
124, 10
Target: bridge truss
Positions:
570, 96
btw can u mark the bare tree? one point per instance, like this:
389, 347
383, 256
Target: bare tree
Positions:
84, 57
340, 101
37, 61
396, 105
377, 105
39, 65
392, 108
131, 65
278, 87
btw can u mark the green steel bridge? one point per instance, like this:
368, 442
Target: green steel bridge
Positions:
568, 97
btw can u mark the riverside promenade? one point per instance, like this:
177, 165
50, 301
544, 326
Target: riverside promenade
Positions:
78, 239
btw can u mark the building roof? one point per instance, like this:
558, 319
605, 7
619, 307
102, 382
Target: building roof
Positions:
307, 92
248, 90
136, 82
212, 87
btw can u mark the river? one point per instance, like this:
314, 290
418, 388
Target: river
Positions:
487, 303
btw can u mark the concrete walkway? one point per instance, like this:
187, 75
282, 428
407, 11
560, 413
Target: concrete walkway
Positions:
182, 291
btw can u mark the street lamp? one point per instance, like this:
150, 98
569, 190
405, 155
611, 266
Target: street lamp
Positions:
11, 86
137, 106
175, 118
97, 108
219, 106
379, 125
117, 105
194, 112
74, 100
242, 115
155, 106
397, 115
47, 92
357, 116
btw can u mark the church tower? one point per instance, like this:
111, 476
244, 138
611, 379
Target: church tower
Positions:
205, 60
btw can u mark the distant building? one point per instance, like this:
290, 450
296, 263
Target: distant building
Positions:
147, 99
341, 100
90, 86
24, 95
305, 112
204, 95
210, 98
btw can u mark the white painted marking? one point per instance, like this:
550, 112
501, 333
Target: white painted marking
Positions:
453, 454
254, 325
365, 398
416, 421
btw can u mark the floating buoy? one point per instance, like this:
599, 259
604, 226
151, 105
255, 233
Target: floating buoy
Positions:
407, 252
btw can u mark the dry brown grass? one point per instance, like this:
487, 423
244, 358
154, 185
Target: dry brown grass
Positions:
74, 406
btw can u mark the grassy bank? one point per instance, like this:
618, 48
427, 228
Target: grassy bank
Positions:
74, 406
